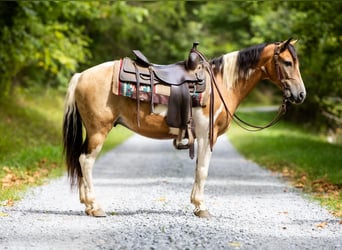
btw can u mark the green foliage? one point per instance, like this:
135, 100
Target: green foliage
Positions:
30, 141
43, 42
159, 29
40, 42
317, 25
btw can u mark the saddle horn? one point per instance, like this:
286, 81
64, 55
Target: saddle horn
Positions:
193, 59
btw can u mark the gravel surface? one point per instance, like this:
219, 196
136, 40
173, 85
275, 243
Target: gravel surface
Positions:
144, 186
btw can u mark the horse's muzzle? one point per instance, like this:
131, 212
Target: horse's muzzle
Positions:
295, 99
294, 93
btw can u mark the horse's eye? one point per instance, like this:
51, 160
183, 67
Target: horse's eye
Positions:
288, 63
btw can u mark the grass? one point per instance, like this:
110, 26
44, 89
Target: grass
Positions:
31, 141
303, 157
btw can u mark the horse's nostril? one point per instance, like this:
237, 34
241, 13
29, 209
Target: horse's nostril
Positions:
301, 96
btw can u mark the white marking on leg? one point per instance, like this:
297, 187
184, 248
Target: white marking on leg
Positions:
203, 156
81, 189
87, 162
203, 159
202, 167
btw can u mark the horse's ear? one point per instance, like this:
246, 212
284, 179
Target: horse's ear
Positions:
293, 42
284, 44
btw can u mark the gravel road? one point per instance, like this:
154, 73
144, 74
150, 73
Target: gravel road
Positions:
144, 186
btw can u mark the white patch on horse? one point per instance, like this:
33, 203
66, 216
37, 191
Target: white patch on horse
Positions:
201, 121
230, 76
247, 74
87, 162
161, 110
218, 112
174, 131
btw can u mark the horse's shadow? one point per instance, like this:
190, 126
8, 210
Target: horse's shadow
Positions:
51, 212
178, 213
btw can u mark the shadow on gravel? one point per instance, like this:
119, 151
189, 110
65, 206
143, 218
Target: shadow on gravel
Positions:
51, 212
178, 213
131, 183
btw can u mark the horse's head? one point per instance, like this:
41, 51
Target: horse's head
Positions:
283, 69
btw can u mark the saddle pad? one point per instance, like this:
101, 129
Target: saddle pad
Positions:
161, 94
130, 90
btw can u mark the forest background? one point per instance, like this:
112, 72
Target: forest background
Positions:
42, 43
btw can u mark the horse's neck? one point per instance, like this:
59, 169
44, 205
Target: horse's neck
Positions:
242, 86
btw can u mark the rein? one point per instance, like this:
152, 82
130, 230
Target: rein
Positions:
241, 123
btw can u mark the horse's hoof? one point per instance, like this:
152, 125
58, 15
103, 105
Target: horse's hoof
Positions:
202, 213
96, 213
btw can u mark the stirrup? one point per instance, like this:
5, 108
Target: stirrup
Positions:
177, 143
180, 145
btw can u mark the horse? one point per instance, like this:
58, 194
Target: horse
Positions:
90, 103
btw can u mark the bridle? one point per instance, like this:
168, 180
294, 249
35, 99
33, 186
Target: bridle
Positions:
241, 123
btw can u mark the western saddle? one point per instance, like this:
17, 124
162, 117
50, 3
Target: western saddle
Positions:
185, 79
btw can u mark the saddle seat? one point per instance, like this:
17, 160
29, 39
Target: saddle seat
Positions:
173, 74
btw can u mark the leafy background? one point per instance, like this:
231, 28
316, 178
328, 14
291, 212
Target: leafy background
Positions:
42, 43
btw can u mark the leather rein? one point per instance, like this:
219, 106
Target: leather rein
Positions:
241, 123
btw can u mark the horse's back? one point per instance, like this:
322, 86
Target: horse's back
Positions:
97, 77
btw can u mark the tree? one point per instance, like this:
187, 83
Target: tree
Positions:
40, 42
317, 25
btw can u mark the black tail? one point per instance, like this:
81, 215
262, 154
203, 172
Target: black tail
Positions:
72, 135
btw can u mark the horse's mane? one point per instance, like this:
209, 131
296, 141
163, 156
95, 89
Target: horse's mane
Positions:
248, 58
238, 64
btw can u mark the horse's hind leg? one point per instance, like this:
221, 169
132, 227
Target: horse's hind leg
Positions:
94, 144
202, 167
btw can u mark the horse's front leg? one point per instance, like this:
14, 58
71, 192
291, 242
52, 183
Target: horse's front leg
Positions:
202, 167
86, 187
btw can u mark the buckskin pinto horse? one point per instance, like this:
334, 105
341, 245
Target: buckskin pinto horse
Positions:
91, 102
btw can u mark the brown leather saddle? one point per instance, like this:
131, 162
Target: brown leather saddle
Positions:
185, 79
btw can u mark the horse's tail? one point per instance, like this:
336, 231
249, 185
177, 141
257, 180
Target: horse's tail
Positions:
72, 133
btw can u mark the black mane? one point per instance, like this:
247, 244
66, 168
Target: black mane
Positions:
248, 58
216, 64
